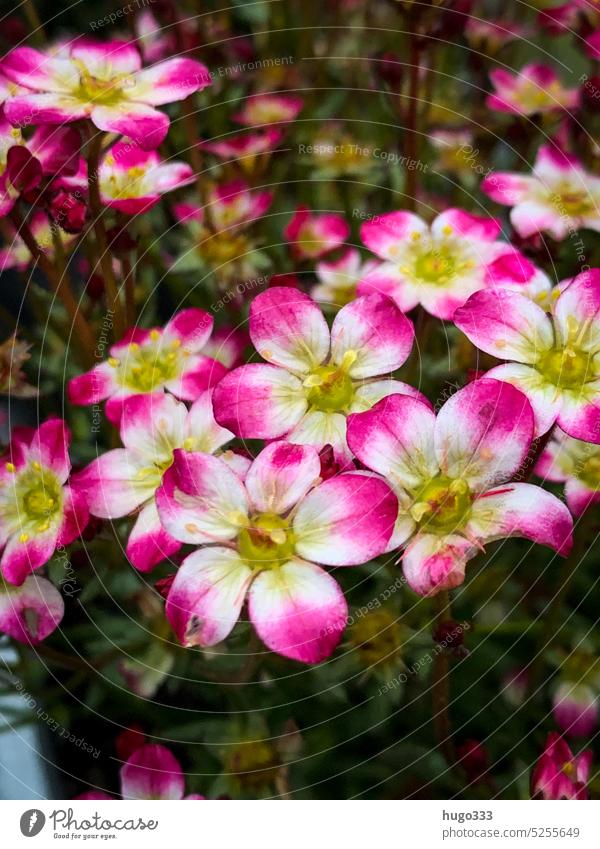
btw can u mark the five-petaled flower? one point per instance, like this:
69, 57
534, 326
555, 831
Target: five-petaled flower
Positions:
314, 377
124, 481
558, 198
452, 476
534, 89
437, 266
339, 278
39, 510
147, 361
262, 540
264, 109
312, 235
559, 774
555, 360
101, 81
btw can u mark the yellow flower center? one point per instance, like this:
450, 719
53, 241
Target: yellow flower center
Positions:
589, 472
31, 501
442, 505
330, 388
266, 542
435, 261
566, 367
573, 201
147, 367
98, 91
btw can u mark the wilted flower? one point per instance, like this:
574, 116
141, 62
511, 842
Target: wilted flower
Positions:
437, 266
575, 708
263, 539
246, 150
31, 612
314, 378
559, 198
559, 774
452, 475
536, 88
146, 361
555, 359
39, 511
13, 354
101, 81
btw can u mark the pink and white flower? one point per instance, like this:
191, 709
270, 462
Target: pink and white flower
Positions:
576, 464
570, 16
153, 772
515, 272
555, 360
575, 709
229, 205
264, 109
39, 511
245, 149
124, 481
558, 198
17, 254
339, 278
312, 235
146, 361
490, 36
101, 81
313, 377
437, 266
452, 476
535, 89
31, 612
559, 774
262, 540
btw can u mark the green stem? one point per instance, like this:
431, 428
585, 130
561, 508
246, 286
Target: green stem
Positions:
110, 281
440, 686
412, 121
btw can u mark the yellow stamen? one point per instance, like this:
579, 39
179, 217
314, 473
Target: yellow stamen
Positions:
24, 538
113, 362
10, 467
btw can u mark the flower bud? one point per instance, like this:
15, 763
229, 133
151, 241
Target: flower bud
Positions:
68, 210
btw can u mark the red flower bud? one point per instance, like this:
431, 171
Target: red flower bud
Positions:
329, 465
163, 585
129, 741
68, 210
24, 170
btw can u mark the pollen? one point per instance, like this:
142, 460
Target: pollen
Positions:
447, 230
10, 467
24, 538
113, 362
37, 466
155, 335
415, 236
192, 528
189, 443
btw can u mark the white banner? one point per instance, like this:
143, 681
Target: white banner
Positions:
289, 825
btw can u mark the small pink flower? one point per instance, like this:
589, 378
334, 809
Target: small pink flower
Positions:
101, 81
575, 709
155, 42
147, 361
558, 198
263, 109
229, 205
31, 612
592, 45
490, 36
515, 272
17, 255
559, 774
577, 465
39, 511
245, 149
152, 772
554, 360
263, 539
535, 89
311, 235
438, 266
338, 279
314, 377
124, 481
570, 16
452, 476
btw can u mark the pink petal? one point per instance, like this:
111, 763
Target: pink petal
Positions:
201, 499
505, 324
281, 475
375, 330
553, 164
259, 401
345, 521
36, 70
152, 772
288, 329
387, 279
579, 497
206, 597
579, 415
192, 327
298, 610
113, 484
50, 447
466, 225
522, 510
531, 217
506, 188
107, 59
32, 612
169, 81
200, 373
148, 542
201, 427
75, 516
575, 709
384, 232
23, 110
395, 439
152, 425
145, 125
56, 148
21, 558
579, 303
432, 563
368, 394
483, 433
546, 400
92, 386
